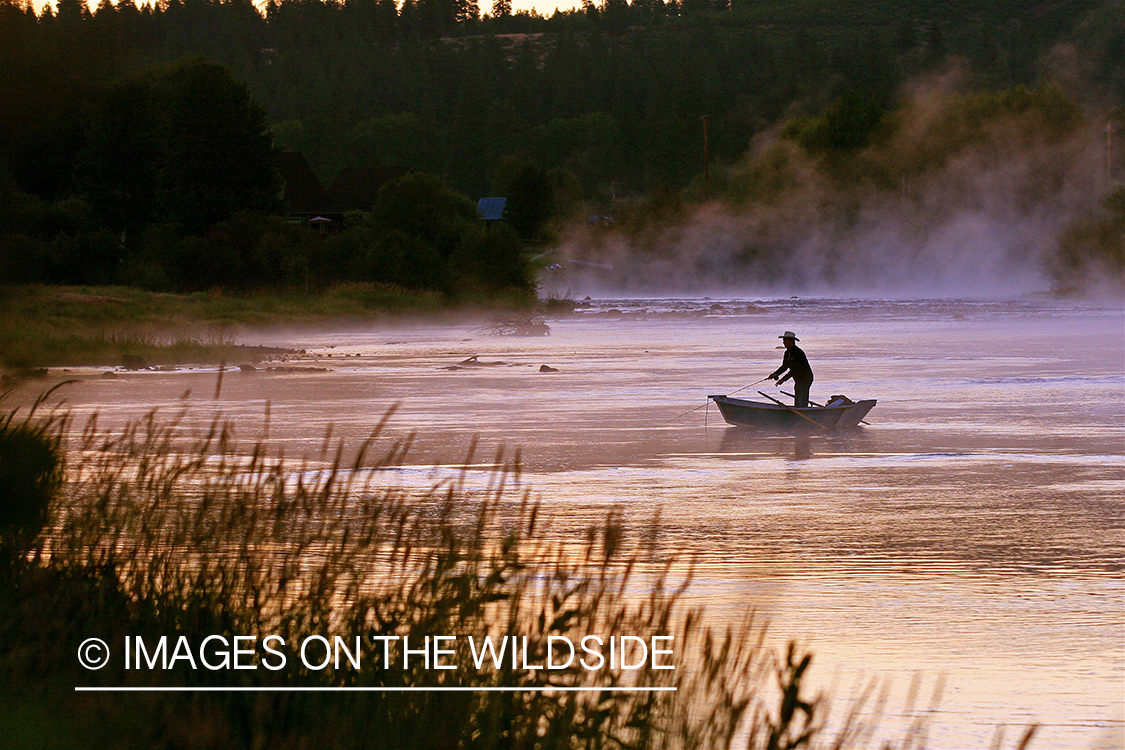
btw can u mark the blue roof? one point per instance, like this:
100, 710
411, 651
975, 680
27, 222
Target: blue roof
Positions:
491, 209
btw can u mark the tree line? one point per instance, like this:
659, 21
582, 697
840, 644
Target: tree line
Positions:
613, 92
589, 107
173, 184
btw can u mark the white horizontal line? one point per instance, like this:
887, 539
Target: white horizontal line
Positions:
543, 689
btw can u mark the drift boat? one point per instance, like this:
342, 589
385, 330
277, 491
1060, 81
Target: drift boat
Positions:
840, 411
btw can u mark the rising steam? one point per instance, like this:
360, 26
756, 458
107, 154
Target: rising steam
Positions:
959, 195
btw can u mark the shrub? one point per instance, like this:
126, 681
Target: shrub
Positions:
31, 465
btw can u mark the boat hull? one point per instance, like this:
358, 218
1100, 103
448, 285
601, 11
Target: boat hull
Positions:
855, 413
745, 413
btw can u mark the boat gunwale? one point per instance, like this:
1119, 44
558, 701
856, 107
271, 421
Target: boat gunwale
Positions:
741, 412
777, 407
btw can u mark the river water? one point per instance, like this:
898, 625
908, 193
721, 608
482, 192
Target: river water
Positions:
971, 537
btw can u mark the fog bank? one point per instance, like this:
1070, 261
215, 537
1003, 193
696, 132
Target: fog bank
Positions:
959, 195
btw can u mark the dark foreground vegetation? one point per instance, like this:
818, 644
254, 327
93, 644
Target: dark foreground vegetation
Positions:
169, 528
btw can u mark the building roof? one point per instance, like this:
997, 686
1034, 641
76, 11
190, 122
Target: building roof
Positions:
358, 187
302, 191
491, 209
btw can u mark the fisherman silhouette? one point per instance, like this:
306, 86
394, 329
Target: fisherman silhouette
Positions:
798, 368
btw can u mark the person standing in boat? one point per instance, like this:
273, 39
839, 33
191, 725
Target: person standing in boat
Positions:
797, 364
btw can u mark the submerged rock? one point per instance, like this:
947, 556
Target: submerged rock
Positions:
524, 325
474, 361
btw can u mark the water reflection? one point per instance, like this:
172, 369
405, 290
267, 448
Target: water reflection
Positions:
797, 444
976, 529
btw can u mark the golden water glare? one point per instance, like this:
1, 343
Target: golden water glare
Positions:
972, 534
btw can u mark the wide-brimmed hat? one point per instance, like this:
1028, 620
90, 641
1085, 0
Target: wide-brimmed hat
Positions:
789, 335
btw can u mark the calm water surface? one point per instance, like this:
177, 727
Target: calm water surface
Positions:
972, 534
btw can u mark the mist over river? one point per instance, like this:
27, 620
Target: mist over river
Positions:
972, 534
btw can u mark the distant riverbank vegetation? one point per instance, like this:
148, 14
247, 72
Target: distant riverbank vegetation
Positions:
690, 145
45, 326
171, 530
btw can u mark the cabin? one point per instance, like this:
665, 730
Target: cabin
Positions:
302, 192
354, 189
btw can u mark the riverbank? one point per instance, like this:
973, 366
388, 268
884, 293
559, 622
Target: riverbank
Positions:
52, 326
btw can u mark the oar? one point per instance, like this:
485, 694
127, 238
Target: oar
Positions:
790, 395
689, 411
790, 408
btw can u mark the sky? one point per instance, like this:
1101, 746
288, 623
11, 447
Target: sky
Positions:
542, 7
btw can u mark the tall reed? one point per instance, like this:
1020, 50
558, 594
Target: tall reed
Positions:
163, 529
170, 528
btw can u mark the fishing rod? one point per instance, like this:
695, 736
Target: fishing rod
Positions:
689, 411
767, 377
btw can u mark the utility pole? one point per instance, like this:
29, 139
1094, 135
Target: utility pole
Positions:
706, 157
1108, 151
